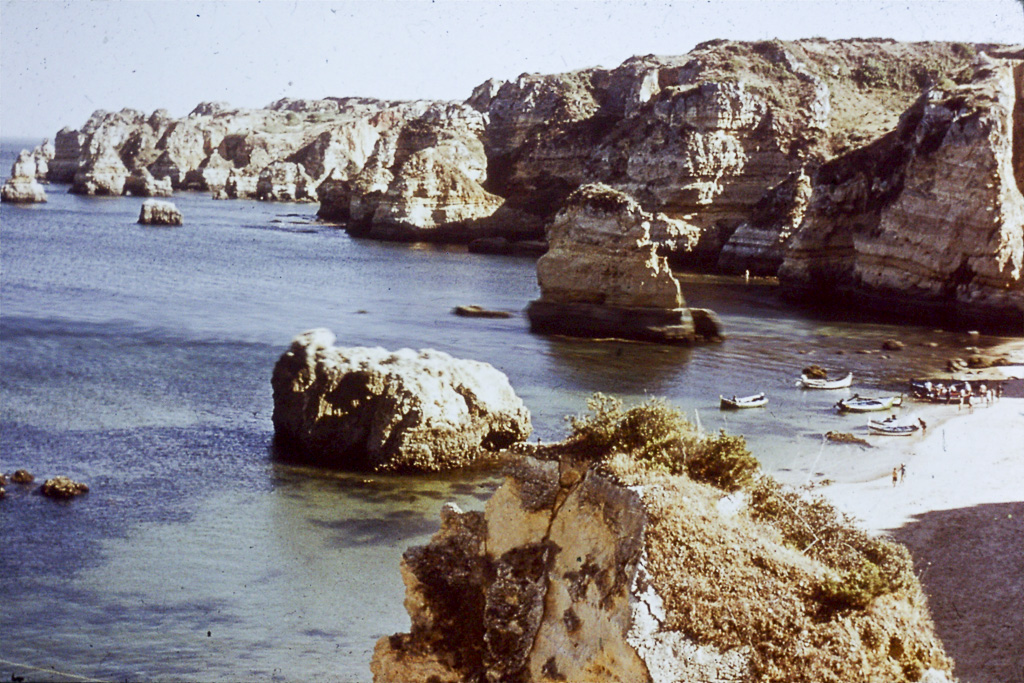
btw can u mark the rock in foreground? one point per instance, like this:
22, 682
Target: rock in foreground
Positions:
372, 409
621, 558
602, 275
571, 576
155, 212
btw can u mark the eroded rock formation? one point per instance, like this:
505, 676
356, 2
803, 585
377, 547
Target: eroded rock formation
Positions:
141, 183
62, 487
572, 575
602, 275
22, 187
931, 215
371, 409
156, 212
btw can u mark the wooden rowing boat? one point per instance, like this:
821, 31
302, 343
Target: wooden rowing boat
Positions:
864, 404
891, 428
841, 383
735, 403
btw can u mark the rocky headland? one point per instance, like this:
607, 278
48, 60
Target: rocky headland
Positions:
609, 560
757, 145
406, 411
930, 215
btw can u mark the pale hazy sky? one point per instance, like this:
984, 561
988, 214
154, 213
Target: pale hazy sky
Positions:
61, 60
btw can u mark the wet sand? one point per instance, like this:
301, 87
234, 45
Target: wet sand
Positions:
960, 511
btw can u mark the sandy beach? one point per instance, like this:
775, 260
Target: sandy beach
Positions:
960, 511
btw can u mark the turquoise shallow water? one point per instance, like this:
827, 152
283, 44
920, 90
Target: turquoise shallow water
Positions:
138, 360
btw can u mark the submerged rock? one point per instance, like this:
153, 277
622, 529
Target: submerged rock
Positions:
474, 311
372, 409
22, 187
602, 276
156, 212
573, 575
62, 487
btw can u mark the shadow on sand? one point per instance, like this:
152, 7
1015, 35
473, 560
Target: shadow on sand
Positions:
971, 562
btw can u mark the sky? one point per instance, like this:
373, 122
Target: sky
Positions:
62, 60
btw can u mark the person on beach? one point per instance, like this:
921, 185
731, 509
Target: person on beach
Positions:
895, 475
970, 404
903, 472
924, 426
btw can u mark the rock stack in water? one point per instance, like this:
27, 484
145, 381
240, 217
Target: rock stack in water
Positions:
156, 212
602, 275
372, 409
22, 187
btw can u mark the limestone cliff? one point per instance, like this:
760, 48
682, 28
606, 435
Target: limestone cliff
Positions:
423, 179
371, 409
602, 275
573, 573
930, 217
704, 136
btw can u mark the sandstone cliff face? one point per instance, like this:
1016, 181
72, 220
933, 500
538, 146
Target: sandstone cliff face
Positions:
370, 409
423, 178
22, 187
929, 216
602, 275
569, 575
141, 183
705, 136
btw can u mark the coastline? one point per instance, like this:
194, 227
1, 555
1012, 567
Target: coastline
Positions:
960, 512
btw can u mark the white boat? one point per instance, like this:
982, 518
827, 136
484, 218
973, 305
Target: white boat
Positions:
892, 428
841, 383
754, 401
863, 404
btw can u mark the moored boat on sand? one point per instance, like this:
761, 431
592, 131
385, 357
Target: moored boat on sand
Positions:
735, 403
864, 404
811, 383
892, 428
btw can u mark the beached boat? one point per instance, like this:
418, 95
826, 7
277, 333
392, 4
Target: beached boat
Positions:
892, 428
734, 403
811, 383
863, 404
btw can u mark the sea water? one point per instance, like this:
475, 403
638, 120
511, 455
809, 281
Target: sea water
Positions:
138, 359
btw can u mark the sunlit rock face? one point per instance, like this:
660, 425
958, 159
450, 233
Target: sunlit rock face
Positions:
572, 575
929, 217
22, 187
371, 409
157, 212
284, 181
423, 179
602, 275
141, 183
702, 137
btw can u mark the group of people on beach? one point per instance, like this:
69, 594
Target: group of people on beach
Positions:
899, 473
964, 394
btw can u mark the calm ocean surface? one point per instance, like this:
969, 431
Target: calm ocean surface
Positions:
138, 360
